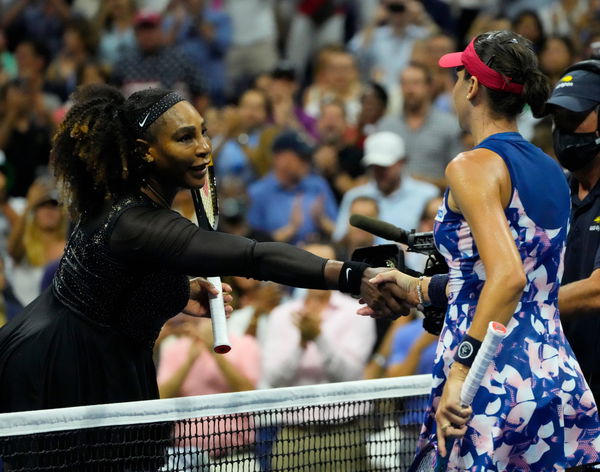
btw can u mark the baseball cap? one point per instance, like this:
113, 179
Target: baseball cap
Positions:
577, 91
384, 149
147, 18
291, 141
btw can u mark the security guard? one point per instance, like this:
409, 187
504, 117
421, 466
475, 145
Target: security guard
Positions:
574, 106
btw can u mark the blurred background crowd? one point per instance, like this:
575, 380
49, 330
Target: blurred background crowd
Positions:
317, 109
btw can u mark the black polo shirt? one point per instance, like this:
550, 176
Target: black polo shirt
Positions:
582, 257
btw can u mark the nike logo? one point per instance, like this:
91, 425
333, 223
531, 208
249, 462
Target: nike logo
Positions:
348, 273
143, 122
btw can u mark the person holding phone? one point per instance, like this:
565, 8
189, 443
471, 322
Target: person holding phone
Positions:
502, 227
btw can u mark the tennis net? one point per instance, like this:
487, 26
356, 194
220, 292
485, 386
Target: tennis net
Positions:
369, 425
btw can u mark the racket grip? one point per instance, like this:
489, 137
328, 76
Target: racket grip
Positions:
441, 464
219, 320
496, 332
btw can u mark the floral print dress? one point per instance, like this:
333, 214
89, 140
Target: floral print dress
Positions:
534, 410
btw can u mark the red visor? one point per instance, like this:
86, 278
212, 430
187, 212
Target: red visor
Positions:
486, 75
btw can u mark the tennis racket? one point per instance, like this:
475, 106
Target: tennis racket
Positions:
207, 213
428, 460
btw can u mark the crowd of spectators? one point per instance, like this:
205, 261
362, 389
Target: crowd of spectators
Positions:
317, 109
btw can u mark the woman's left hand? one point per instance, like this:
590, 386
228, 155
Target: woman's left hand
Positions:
451, 417
200, 288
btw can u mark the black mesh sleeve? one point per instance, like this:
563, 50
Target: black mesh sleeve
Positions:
163, 239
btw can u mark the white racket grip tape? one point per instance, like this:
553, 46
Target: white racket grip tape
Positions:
219, 320
496, 332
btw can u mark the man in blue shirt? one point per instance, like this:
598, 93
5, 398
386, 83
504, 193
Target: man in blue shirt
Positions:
291, 202
204, 34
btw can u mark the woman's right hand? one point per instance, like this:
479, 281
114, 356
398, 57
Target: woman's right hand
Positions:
383, 296
36, 192
407, 285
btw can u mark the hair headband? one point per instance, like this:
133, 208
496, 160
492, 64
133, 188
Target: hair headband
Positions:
487, 76
151, 114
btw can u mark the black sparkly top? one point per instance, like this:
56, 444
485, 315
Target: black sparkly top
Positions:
113, 291
127, 268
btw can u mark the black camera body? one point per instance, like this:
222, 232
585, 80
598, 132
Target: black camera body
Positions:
390, 255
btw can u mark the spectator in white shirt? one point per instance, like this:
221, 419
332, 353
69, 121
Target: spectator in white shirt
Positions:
401, 198
254, 44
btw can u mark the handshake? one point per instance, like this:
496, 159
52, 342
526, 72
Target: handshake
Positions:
392, 290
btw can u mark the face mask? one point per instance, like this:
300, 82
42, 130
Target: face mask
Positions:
575, 151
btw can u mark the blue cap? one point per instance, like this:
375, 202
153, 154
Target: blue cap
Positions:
292, 141
577, 91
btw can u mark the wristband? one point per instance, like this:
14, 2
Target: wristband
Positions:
437, 290
351, 277
467, 350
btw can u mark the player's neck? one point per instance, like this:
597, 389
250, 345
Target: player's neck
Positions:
483, 126
158, 193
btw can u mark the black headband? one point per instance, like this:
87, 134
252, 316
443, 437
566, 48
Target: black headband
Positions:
151, 114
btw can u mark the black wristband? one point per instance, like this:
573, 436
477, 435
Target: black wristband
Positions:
351, 277
437, 290
467, 350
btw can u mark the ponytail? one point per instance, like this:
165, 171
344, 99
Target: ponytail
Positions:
512, 55
536, 91
92, 150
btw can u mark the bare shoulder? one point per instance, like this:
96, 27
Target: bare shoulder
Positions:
480, 164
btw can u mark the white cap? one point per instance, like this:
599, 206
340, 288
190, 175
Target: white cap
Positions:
383, 149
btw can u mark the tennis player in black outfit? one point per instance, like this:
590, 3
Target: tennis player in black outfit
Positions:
88, 339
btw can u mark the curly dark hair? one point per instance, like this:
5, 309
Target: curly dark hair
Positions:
512, 55
95, 154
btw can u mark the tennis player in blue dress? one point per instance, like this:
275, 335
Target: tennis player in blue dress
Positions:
502, 229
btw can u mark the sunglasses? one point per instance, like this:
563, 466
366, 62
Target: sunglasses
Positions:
396, 7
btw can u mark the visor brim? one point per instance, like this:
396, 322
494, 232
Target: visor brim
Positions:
453, 59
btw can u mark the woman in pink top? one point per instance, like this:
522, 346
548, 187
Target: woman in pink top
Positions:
188, 366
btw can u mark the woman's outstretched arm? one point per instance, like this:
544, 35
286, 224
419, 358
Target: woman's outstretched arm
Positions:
162, 238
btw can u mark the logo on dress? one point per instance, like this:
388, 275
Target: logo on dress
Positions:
465, 350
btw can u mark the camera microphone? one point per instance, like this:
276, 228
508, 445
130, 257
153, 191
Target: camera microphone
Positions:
379, 228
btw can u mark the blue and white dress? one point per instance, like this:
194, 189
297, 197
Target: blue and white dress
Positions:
534, 410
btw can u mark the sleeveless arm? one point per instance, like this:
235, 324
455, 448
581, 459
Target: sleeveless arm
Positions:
476, 180
161, 239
